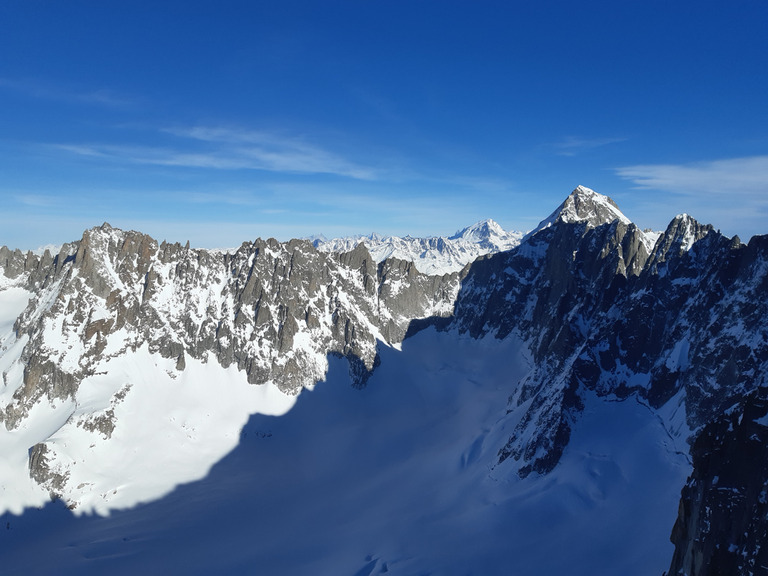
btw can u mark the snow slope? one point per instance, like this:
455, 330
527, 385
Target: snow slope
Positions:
398, 477
180, 423
16, 487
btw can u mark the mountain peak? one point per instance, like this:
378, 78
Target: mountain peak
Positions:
482, 230
683, 232
585, 205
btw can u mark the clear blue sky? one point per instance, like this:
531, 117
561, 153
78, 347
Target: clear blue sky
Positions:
222, 121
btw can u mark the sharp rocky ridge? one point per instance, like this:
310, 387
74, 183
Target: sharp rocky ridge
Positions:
677, 320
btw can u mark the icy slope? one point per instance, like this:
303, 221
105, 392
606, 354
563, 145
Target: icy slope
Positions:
434, 255
398, 477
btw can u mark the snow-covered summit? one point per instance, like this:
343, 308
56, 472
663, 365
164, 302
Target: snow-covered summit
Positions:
585, 205
434, 255
488, 234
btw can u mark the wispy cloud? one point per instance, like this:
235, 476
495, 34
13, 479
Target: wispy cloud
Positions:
572, 145
37, 200
46, 91
277, 153
229, 149
729, 193
227, 135
229, 198
745, 177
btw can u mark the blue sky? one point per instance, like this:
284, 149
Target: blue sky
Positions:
219, 122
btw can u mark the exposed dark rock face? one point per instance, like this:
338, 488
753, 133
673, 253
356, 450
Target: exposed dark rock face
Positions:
604, 311
274, 310
40, 472
723, 517
556, 292
689, 319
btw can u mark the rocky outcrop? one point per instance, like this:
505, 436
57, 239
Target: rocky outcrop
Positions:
723, 516
40, 472
554, 292
275, 310
403, 293
603, 309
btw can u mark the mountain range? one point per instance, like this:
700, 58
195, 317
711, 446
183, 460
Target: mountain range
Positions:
587, 398
434, 255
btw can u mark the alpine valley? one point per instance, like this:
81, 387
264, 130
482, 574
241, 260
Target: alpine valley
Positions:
585, 399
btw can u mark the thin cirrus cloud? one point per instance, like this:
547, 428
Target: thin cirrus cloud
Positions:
224, 149
731, 194
230, 198
743, 177
37, 200
274, 152
46, 91
571, 145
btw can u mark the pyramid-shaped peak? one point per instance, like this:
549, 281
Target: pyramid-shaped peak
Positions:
584, 190
480, 230
585, 205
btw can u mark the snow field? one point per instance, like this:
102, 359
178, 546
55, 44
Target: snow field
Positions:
399, 476
171, 427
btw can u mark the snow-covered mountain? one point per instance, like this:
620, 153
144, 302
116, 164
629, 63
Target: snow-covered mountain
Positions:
282, 409
433, 255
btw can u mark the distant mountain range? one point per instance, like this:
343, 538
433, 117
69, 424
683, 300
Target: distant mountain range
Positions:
435, 255
565, 403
